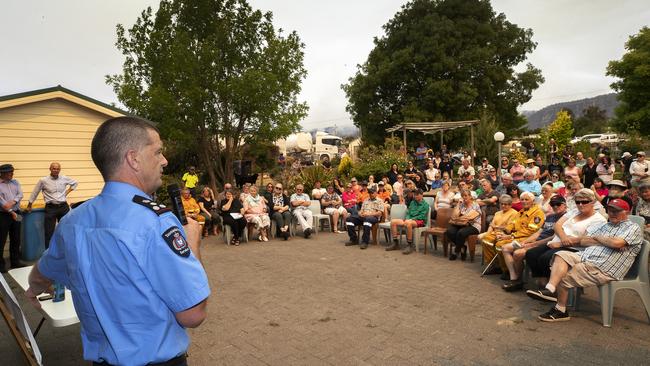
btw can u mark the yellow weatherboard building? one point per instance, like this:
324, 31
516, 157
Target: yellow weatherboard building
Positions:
53, 124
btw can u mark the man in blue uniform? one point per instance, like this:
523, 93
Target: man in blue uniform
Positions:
133, 270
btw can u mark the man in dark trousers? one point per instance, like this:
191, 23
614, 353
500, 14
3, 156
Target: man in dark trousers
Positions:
55, 188
10, 195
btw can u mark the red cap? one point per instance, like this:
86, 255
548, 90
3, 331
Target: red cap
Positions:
619, 204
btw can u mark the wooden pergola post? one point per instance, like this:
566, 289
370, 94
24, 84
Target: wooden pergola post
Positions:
404, 135
471, 137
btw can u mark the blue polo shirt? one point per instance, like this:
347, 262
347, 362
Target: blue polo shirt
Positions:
533, 187
130, 270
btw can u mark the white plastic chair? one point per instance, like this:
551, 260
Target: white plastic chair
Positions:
397, 211
636, 279
318, 216
417, 232
227, 234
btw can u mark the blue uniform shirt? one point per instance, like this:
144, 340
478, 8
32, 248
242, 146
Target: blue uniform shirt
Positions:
126, 280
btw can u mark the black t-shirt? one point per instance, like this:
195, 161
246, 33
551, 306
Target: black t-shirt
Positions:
447, 166
589, 174
207, 203
235, 206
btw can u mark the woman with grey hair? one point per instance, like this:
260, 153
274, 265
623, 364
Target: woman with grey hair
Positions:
500, 220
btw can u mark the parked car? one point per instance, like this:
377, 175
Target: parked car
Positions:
605, 139
586, 138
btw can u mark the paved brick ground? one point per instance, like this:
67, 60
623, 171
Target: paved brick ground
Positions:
316, 302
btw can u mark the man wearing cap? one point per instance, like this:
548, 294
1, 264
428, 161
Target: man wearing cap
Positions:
55, 188
640, 170
190, 179
10, 196
485, 166
532, 248
617, 189
609, 252
530, 166
466, 168
370, 213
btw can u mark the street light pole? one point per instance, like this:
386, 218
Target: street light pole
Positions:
498, 137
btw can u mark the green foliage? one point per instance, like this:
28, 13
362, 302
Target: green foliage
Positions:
484, 138
345, 167
585, 148
443, 60
263, 154
377, 160
561, 130
309, 175
633, 70
593, 120
635, 143
212, 74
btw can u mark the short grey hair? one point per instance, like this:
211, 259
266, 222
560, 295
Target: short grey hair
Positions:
527, 194
114, 138
505, 199
506, 176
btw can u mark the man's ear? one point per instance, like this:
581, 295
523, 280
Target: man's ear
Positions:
133, 159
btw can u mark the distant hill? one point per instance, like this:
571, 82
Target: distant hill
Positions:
546, 115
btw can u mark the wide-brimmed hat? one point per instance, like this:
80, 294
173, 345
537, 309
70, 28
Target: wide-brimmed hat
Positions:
617, 182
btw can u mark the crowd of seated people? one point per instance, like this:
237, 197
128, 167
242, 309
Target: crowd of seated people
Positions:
566, 221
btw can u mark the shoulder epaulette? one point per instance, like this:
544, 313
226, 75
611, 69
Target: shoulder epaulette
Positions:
158, 208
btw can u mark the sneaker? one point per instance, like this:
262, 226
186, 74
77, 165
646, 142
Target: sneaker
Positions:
363, 246
350, 243
554, 315
513, 285
542, 295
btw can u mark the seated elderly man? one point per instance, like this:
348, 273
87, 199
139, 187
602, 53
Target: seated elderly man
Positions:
488, 199
609, 252
370, 213
191, 207
515, 252
502, 188
416, 216
525, 223
529, 184
300, 203
499, 222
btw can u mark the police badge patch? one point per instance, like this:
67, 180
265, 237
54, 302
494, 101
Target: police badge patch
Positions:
176, 241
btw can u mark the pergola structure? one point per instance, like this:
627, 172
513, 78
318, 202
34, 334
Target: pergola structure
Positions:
433, 127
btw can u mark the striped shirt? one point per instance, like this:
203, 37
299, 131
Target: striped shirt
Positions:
614, 262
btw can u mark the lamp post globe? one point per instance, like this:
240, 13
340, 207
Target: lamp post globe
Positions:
499, 136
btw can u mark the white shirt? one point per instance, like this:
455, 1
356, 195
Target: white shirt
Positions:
639, 168
53, 189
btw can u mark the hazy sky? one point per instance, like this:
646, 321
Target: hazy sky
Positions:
72, 43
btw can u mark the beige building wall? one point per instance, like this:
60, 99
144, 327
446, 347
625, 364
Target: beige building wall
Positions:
35, 134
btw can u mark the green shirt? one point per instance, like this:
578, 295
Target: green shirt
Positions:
417, 210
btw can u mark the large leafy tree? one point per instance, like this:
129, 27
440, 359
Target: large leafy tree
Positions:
593, 120
633, 71
214, 74
443, 60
